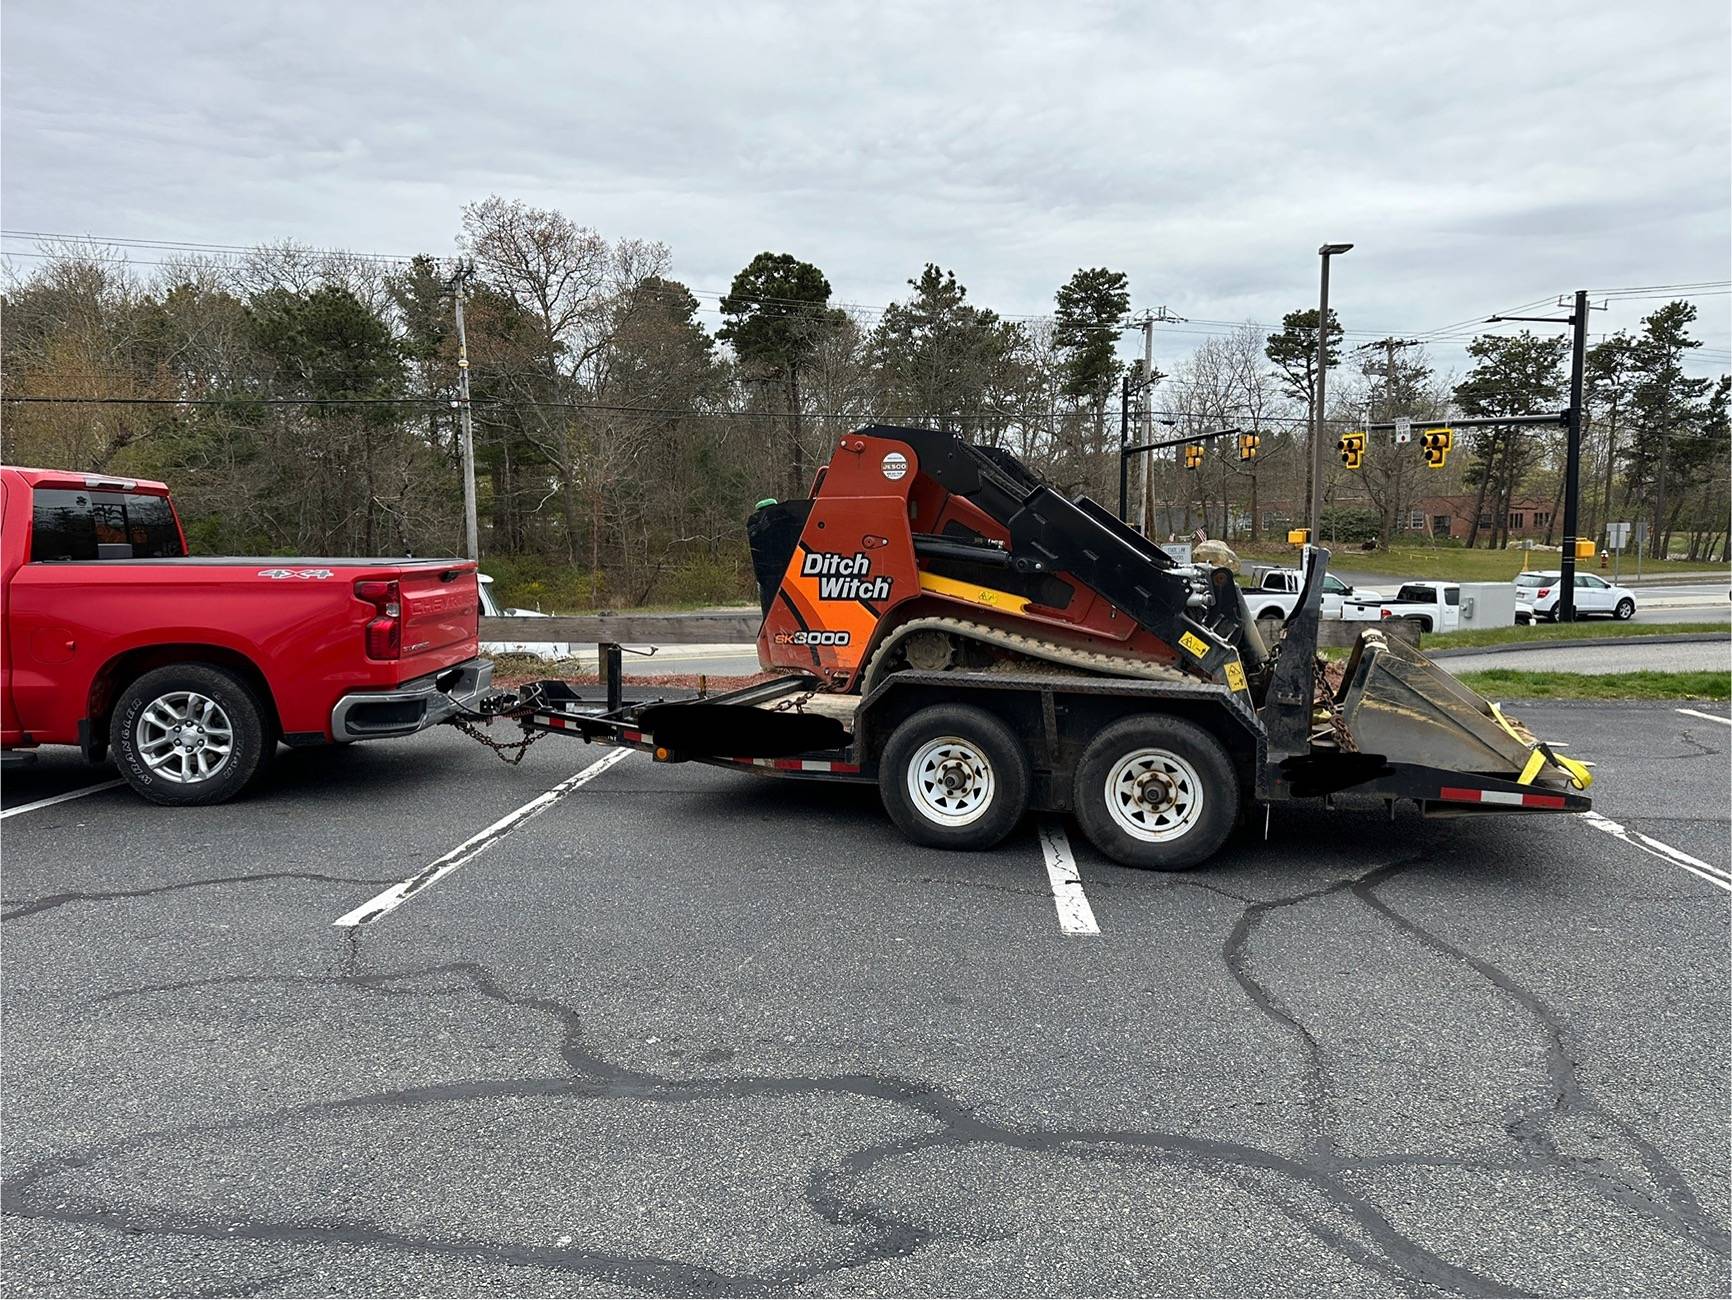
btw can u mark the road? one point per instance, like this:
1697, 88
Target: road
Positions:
1663, 656
674, 1030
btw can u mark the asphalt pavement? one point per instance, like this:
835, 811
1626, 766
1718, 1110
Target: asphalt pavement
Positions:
674, 1030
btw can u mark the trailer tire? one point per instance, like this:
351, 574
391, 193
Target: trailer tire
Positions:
1156, 792
954, 777
189, 734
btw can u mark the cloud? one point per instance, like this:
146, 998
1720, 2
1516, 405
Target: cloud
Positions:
1478, 154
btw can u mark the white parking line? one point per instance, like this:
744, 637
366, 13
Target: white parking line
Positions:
475, 845
60, 798
1075, 916
1711, 717
1717, 876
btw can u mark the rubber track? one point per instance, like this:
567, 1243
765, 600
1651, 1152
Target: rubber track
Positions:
1088, 661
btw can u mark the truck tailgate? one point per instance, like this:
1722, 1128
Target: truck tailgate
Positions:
441, 613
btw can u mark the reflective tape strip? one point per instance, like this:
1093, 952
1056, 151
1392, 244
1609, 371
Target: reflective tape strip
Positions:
1508, 798
636, 738
797, 765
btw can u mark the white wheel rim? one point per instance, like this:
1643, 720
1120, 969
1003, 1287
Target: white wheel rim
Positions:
950, 781
1154, 795
184, 737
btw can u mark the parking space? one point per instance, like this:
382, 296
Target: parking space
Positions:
629, 1028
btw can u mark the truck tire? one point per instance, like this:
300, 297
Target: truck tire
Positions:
954, 777
189, 734
1156, 792
1274, 612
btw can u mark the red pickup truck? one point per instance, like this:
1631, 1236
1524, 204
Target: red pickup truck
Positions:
192, 668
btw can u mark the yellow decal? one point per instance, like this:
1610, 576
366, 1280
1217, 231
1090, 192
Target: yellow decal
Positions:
1195, 644
1236, 675
973, 593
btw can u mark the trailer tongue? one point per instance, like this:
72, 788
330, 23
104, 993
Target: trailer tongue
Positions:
978, 644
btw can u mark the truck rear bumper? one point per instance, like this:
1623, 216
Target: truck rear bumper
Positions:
413, 706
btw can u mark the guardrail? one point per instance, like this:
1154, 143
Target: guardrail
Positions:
608, 631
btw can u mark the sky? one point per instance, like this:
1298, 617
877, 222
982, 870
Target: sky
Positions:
1480, 156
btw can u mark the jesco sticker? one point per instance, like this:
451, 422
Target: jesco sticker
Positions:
895, 465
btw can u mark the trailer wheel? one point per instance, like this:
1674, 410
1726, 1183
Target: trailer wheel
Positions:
1156, 792
954, 777
188, 734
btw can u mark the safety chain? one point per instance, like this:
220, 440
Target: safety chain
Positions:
510, 753
1344, 740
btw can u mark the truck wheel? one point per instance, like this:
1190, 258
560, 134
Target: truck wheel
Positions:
955, 777
1271, 612
188, 734
1156, 792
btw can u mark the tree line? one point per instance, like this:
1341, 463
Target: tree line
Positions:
304, 402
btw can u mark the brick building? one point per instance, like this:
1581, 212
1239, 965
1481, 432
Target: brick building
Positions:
1452, 516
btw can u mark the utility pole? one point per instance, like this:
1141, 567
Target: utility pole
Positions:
1316, 513
1573, 456
466, 417
1391, 400
1145, 482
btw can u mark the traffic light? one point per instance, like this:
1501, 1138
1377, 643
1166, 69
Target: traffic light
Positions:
1352, 449
1437, 443
1248, 444
1193, 455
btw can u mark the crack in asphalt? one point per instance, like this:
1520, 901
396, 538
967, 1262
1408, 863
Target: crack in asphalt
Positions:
48, 902
1531, 1125
881, 1233
1363, 1235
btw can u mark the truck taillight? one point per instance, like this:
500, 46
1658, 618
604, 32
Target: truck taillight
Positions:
385, 628
1384, 613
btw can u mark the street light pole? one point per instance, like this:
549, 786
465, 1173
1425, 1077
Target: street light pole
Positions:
1316, 513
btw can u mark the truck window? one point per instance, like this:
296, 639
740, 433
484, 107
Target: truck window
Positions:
1333, 584
68, 524
1452, 595
1417, 592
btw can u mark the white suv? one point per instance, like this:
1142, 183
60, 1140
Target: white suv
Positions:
1594, 595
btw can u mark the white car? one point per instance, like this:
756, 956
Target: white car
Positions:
1594, 595
539, 649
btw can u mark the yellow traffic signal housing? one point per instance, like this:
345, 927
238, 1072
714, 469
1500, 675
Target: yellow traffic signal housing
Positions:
1298, 536
1352, 449
1437, 443
1248, 444
1193, 455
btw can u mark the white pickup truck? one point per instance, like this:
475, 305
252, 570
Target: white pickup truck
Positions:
1435, 606
1277, 591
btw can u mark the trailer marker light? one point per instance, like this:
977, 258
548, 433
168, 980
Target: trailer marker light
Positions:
661, 753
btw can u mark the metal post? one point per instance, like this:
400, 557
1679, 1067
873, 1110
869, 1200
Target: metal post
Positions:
1316, 513
1124, 445
1573, 458
471, 530
612, 673
1146, 433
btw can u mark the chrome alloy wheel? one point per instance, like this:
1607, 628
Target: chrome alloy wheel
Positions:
1154, 795
950, 781
184, 737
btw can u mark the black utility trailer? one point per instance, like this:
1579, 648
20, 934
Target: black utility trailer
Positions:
1157, 772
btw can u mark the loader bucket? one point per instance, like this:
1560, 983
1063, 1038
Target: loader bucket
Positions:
1398, 704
